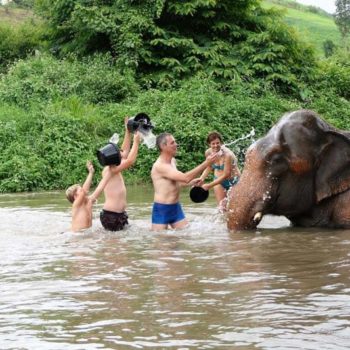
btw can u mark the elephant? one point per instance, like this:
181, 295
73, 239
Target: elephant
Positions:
299, 169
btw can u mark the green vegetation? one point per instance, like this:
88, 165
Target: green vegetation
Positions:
342, 19
14, 16
20, 34
194, 66
166, 41
314, 26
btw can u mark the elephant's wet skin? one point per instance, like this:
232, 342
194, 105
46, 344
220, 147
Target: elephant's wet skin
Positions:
300, 169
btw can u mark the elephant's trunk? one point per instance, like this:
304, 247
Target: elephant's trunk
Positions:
249, 197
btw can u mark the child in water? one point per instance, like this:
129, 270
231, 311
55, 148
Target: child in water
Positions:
82, 202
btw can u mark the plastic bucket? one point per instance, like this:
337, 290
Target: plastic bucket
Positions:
109, 155
141, 122
198, 194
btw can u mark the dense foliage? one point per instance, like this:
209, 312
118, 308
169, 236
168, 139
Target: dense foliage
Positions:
193, 66
166, 40
43, 78
18, 42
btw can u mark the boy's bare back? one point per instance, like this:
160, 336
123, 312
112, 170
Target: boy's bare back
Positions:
82, 212
83, 203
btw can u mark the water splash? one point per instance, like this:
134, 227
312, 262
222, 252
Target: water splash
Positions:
244, 137
149, 139
240, 145
114, 139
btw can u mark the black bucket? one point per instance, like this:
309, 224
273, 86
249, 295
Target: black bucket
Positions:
198, 194
109, 155
141, 122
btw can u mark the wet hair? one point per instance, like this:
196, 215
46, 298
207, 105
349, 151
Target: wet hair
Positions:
71, 191
161, 139
213, 136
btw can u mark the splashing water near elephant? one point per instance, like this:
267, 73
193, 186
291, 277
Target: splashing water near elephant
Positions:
239, 146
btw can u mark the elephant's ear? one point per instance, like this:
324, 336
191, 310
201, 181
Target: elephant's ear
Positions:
333, 174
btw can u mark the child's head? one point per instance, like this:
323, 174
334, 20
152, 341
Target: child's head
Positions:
72, 191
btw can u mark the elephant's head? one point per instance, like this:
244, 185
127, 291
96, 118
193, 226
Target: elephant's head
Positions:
300, 163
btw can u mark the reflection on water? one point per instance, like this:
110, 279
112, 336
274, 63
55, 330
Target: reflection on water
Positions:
200, 288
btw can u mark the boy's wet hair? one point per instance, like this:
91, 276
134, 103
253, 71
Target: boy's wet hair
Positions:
71, 191
213, 136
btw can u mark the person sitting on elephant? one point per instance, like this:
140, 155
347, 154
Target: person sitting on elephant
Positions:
225, 169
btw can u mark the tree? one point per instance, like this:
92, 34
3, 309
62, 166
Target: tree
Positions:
342, 17
166, 40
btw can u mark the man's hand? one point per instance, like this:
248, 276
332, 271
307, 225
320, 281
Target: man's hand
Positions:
197, 182
90, 167
213, 157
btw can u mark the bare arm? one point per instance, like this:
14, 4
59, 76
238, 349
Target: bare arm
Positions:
88, 181
169, 172
130, 160
205, 173
199, 181
125, 148
100, 187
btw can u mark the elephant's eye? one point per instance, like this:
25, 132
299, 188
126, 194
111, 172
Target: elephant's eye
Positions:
277, 164
276, 158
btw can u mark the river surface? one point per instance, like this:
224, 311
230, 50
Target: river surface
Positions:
201, 288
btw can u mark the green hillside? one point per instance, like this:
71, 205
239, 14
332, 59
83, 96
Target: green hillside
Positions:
314, 26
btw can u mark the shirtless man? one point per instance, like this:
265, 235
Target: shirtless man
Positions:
167, 180
81, 202
113, 215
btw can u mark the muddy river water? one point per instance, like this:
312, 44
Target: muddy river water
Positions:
201, 288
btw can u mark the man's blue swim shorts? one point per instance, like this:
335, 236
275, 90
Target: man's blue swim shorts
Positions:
167, 213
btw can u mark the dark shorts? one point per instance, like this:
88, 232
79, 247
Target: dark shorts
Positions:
165, 214
112, 221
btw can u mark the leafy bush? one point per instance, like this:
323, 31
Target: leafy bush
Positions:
45, 146
165, 41
335, 74
17, 42
45, 78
